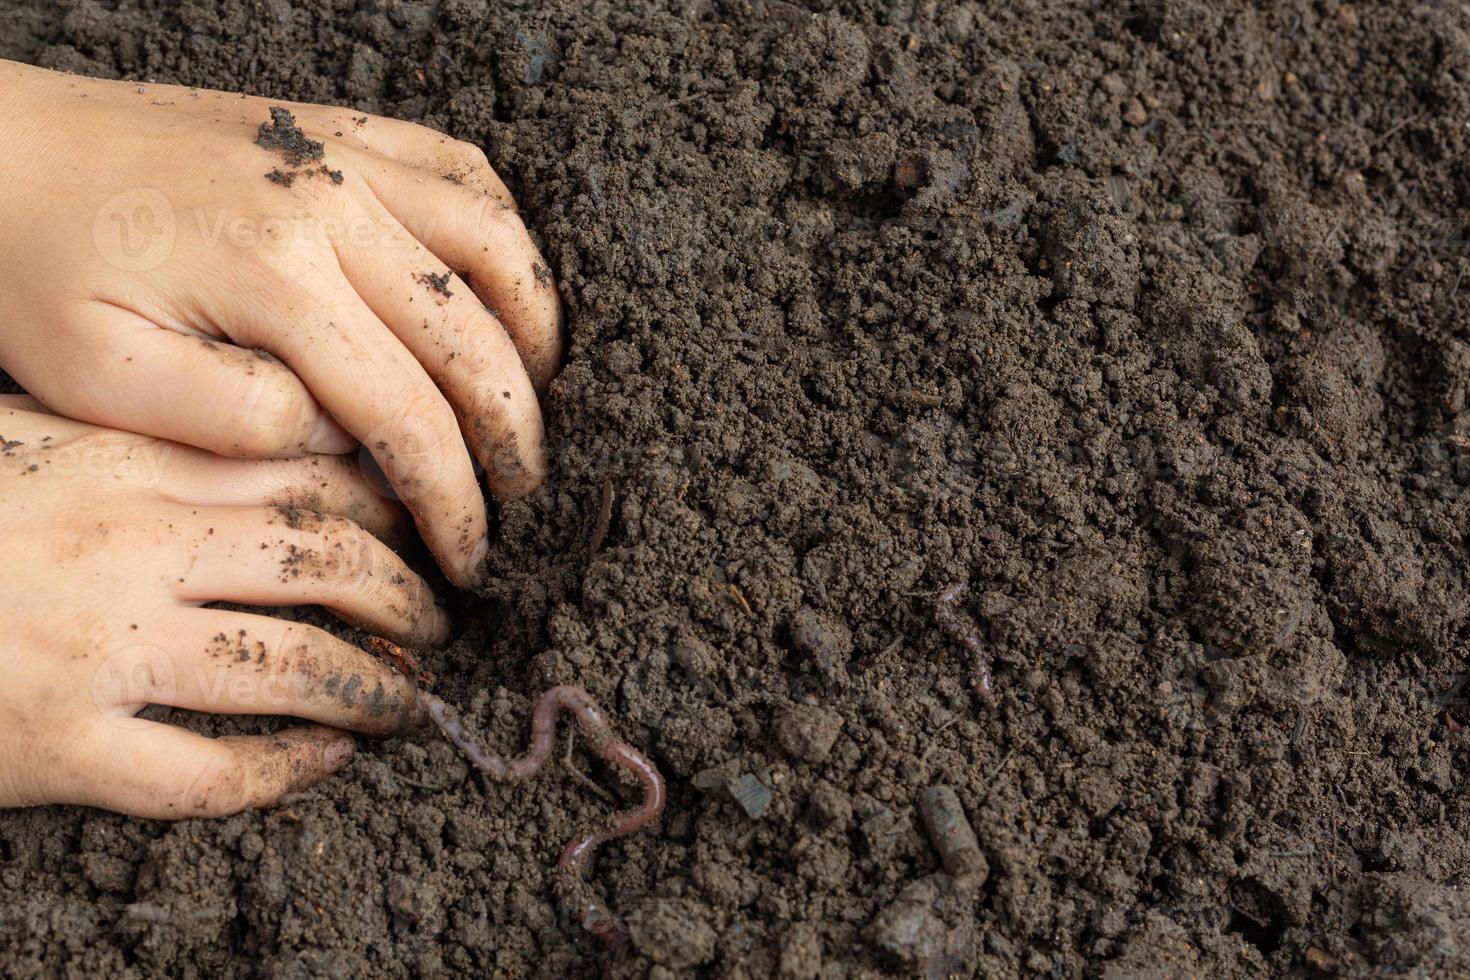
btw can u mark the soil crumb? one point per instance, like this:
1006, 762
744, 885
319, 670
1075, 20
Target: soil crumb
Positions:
438, 282
283, 136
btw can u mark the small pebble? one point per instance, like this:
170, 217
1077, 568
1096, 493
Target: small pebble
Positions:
751, 794
928, 929
715, 777
808, 733
1134, 114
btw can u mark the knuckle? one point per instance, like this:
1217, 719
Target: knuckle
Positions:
219, 785
428, 136
408, 593
274, 417
349, 554
482, 346
470, 154
493, 219
275, 257
417, 445
278, 290
436, 414
305, 658
263, 235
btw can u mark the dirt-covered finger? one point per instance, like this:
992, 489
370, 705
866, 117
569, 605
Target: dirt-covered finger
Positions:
484, 239
237, 663
266, 556
466, 351
371, 383
322, 484
407, 143
163, 772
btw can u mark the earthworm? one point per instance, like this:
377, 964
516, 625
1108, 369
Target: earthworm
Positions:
959, 629
592, 913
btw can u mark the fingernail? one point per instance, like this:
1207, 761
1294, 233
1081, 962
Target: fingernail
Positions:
476, 570
338, 754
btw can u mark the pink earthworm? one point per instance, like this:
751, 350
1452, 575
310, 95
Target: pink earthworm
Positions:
961, 630
591, 912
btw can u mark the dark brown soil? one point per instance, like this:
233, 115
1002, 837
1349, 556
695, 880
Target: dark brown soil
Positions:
1142, 322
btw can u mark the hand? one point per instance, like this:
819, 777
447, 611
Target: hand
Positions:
169, 267
113, 542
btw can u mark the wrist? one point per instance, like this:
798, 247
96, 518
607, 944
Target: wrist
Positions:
38, 108
18, 84
18, 106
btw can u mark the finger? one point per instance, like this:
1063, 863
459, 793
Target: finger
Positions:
367, 379
483, 238
465, 350
237, 663
408, 143
163, 772
262, 556
216, 396
321, 484
22, 403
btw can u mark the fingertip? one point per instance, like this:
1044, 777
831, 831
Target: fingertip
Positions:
291, 761
513, 472
475, 571
545, 370
273, 767
329, 438
428, 623
337, 754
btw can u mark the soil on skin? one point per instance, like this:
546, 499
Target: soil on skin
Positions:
1143, 322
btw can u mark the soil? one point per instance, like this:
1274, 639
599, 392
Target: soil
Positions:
1140, 322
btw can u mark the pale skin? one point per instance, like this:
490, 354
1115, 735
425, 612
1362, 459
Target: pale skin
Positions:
206, 347
139, 220
114, 543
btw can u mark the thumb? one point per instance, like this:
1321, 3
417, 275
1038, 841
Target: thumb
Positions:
155, 381
164, 772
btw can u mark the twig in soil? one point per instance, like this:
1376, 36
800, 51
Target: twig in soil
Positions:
934, 740
579, 775
739, 598
1388, 133
593, 914
961, 630
401, 660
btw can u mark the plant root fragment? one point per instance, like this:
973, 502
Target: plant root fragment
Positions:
961, 630
401, 660
590, 911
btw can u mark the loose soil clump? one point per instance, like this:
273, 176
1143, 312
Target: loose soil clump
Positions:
1142, 325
